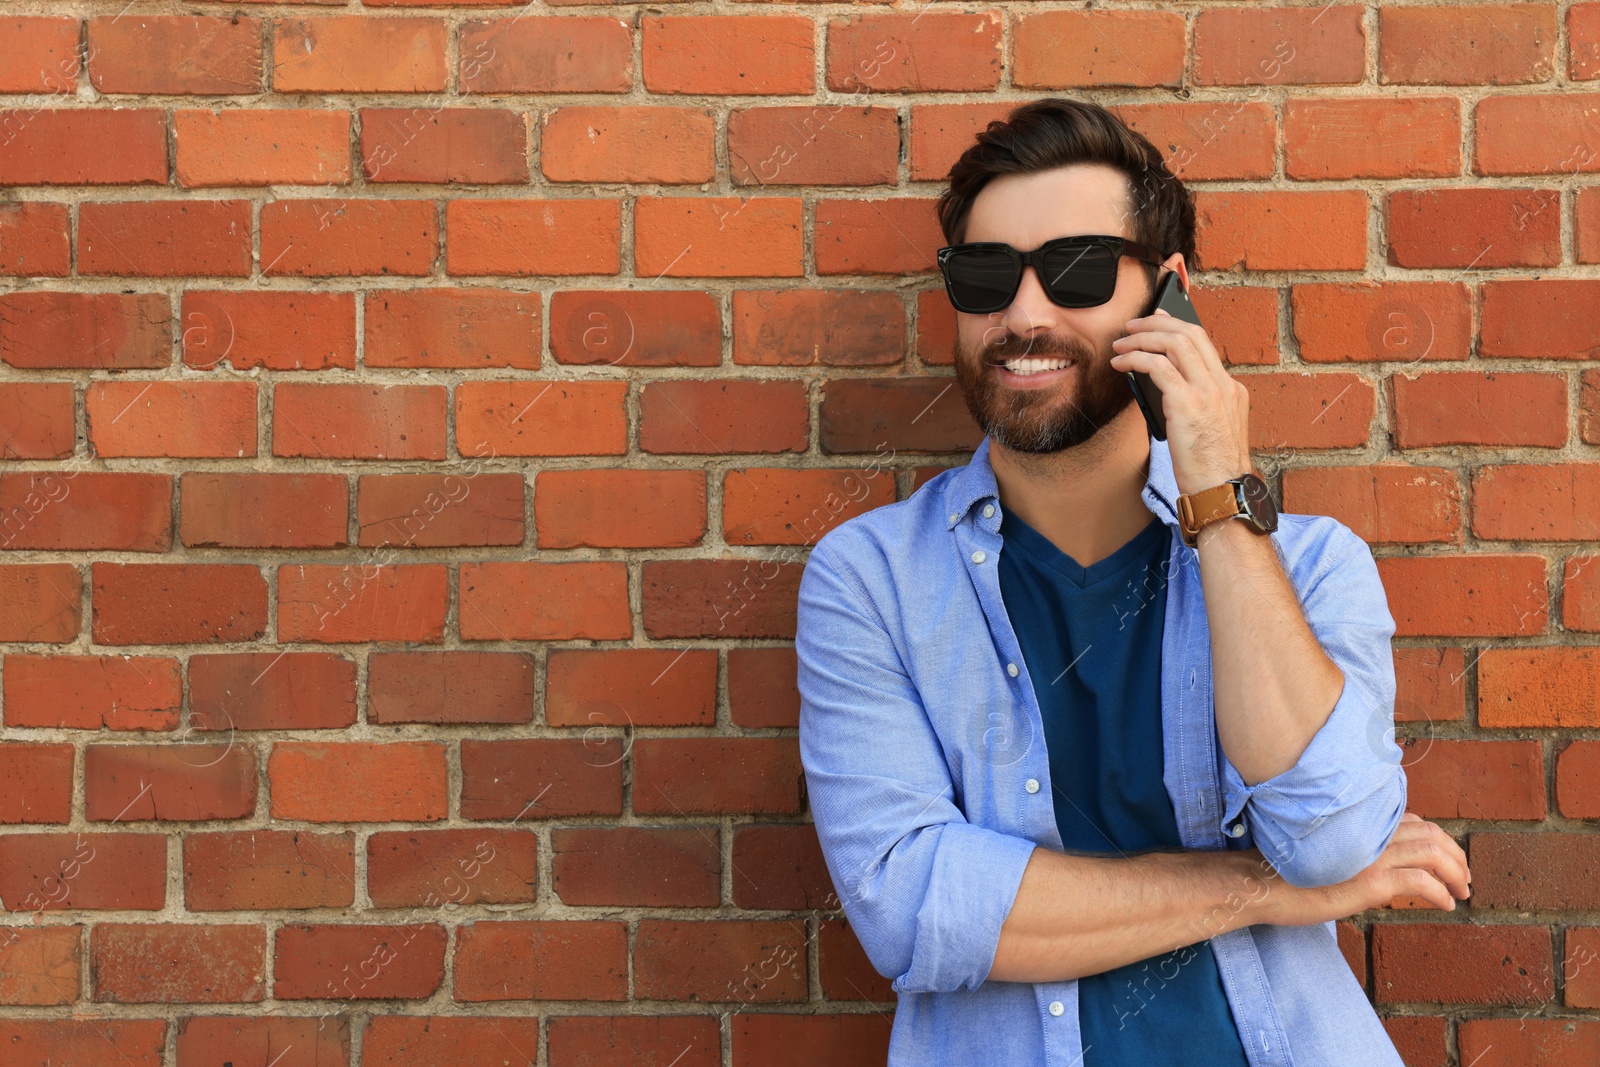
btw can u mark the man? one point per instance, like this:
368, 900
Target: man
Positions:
1089, 793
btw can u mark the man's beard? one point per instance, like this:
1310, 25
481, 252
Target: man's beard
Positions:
1038, 420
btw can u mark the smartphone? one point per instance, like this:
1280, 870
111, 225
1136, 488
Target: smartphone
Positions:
1174, 300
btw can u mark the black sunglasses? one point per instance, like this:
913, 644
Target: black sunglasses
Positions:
1077, 272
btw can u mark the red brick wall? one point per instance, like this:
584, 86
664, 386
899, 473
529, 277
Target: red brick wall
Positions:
417, 419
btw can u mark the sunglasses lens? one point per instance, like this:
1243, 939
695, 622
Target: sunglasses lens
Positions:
1080, 276
979, 280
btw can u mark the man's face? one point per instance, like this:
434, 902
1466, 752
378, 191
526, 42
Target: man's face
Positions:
1007, 361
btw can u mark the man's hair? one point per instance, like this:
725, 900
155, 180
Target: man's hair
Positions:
1054, 132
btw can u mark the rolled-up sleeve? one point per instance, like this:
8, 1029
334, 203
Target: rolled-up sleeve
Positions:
925, 891
1330, 816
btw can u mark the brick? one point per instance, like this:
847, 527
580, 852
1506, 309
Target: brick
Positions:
1538, 687
272, 330
678, 1040
1388, 503
752, 775
1580, 594
165, 238
1583, 983
532, 418
446, 1040
38, 781
1279, 46
547, 54
1209, 140
92, 692
320, 238
1418, 1038
1474, 228
1242, 321
268, 869
777, 506
43, 330
1499, 408
33, 238
177, 603
1364, 322
477, 145
139, 1042
1457, 963
845, 971
901, 414
1471, 44
643, 145
170, 963
38, 53
44, 967
163, 54
1353, 945
440, 510
1535, 871
814, 145
271, 691
780, 868
358, 781
262, 146
941, 132
1382, 137
358, 420
1072, 49
1536, 502
620, 508
338, 602
811, 327
853, 1040
762, 687
358, 53
190, 781
1586, 222
84, 146
1481, 594
635, 866
541, 960
172, 419
123, 870
1509, 1042
631, 686
1578, 780
1430, 685
86, 509
432, 868
1297, 230
370, 962
453, 328
627, 328
516, 238
537, 778
699, 417
718, 236
1583, 41
37, 420
1530, 133
521, 601
694, 54
246, 510
1451, 779
719, 598
749, 962
450, 687
1589, 407
854, 236
920, 53
1540, 319
305, 1041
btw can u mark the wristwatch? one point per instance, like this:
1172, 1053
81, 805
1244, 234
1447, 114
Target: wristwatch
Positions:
1246, 497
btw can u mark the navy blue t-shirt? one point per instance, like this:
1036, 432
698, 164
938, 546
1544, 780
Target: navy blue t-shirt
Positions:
1091, 638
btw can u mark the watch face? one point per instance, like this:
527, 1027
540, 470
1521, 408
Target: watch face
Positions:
1258, 503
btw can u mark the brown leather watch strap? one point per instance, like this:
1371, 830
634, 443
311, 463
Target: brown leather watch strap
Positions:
1205, 507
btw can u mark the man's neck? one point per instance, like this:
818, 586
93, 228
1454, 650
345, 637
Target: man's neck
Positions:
1085, 499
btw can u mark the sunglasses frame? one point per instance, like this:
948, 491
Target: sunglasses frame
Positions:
1121, 246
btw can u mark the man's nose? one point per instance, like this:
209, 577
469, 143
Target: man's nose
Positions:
1030, 308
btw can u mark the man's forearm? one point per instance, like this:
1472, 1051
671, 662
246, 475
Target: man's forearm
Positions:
1077, 915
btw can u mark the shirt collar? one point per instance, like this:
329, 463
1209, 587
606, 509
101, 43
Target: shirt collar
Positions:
975, 483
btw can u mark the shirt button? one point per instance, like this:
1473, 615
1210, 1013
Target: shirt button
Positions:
978, 557
1011, 669
1056, 1007
988, 511
1237, 829
1031, 785
954, 516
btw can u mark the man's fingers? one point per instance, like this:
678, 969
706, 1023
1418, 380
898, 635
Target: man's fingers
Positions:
1421, 883
1431, 856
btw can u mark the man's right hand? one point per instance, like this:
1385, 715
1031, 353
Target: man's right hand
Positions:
1421, 860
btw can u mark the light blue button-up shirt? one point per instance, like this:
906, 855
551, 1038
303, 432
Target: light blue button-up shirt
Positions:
929, 781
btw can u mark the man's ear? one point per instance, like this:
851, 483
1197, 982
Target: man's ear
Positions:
1175, 262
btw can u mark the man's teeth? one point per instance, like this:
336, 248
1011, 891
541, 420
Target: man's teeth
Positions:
1034, 366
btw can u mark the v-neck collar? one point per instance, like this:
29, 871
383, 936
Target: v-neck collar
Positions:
1021, 536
